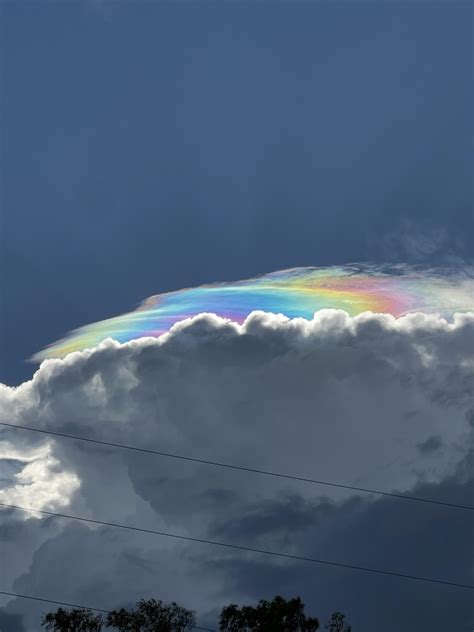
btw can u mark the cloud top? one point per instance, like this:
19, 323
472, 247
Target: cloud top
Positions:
298, 292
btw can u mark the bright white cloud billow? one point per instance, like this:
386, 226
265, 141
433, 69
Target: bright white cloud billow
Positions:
372, 400
40, 483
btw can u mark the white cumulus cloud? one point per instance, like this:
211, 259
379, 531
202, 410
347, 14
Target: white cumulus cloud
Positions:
372, 401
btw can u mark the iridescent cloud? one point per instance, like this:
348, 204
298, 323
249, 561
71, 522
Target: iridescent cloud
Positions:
298, 292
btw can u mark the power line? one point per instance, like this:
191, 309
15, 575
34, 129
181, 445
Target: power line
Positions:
241, 548
241, 468
73, 605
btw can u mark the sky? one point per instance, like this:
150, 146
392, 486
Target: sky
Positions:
152, 146
148, 147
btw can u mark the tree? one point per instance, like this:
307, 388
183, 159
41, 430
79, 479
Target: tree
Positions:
149, 616
337, 623
152, 616
278, 615
76, 620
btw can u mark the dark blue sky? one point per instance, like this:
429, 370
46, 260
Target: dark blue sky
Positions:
152, 146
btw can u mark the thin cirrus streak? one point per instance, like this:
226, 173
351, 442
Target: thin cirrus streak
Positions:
297, 292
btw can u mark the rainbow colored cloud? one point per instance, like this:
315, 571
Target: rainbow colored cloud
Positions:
298, 292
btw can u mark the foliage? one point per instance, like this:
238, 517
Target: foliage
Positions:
337, 623
278, 615
76, 620
149, 616
152, 616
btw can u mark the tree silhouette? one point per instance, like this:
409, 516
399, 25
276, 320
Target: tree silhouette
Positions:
149, 616
152, 616
76, 620
278, 615
337, 623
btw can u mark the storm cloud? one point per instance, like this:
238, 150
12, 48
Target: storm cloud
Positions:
372, 401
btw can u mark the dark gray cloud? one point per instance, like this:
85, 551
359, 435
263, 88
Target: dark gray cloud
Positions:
11, 622
372, 401
432, 444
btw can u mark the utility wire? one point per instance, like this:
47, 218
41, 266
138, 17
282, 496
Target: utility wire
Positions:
73, 605
240, 467
241, 548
